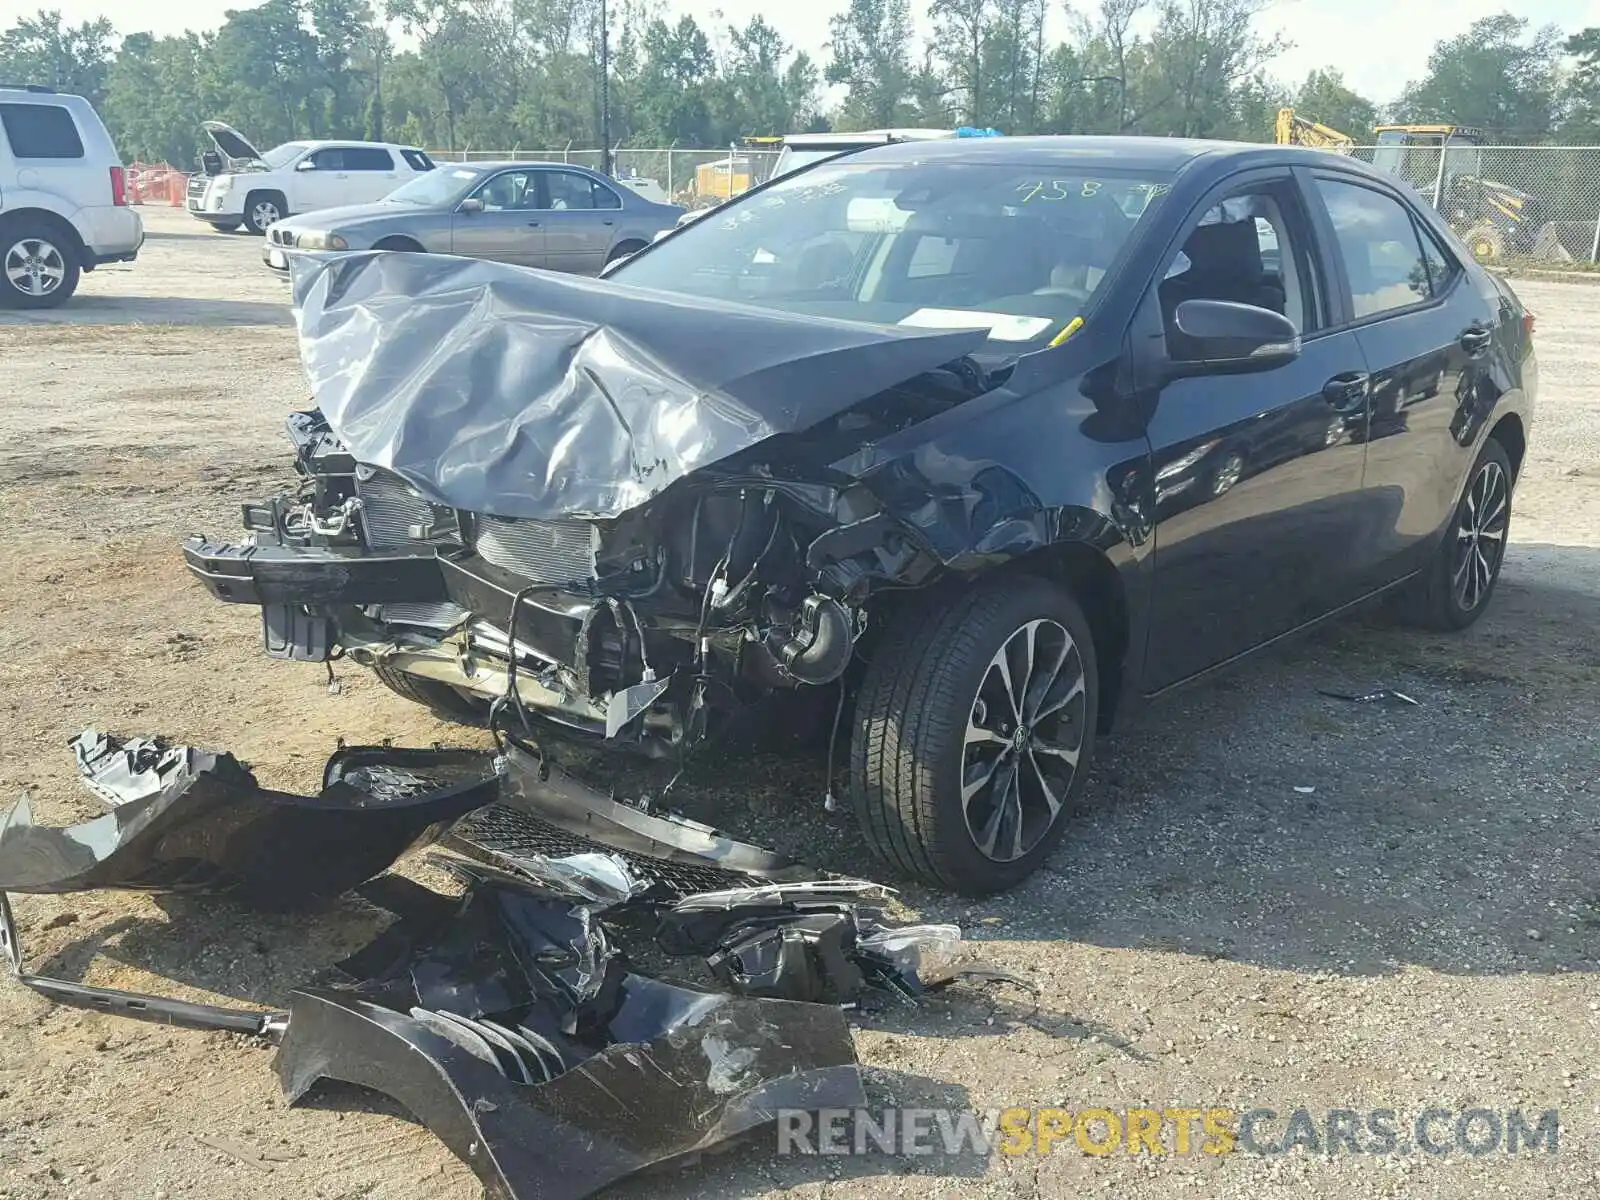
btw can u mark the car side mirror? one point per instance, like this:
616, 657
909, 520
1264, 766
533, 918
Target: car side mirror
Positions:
1220, 337
470, 205
305, 164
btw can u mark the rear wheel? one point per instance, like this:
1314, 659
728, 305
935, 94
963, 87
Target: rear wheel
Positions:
443, 699
973, 734
38, 266
1454, 592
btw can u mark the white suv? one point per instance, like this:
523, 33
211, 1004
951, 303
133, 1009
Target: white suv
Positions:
242, 186
63, 197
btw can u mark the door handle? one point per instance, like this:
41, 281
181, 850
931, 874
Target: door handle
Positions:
533, 224
1347, 392
1476, 340
608, 222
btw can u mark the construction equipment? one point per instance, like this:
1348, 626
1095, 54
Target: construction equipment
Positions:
1295, 130
1444, 162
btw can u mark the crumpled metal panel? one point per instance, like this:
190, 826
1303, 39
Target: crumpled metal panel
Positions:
497, 389
189, 820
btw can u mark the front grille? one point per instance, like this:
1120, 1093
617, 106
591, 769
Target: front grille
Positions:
280, 236
389, 508
197, 186
500, 832
557, 552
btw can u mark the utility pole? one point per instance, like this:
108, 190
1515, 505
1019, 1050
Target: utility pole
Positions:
605, 91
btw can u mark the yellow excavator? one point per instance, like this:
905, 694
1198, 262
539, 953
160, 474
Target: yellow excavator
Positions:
1295, 130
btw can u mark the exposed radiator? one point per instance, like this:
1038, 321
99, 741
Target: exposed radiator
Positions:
539, 551
389, 508
443, 615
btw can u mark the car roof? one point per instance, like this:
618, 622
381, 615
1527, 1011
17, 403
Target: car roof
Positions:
864, 136
1078, 150
500, 164
319, 143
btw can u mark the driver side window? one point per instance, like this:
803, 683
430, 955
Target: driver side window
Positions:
508, 191
1244, 250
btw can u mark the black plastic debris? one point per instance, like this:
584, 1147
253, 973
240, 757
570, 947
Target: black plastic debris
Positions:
823, 942
188, 820
545, 1064
509, 1019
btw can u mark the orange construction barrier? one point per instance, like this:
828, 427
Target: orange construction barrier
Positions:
157, 183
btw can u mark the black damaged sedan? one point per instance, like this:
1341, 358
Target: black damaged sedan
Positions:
983, 442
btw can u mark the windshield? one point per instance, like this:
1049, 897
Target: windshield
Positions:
1019, 250
438, 186
792, 159
279, 156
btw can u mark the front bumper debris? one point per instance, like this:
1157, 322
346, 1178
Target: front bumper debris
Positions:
193, 821
508, 1019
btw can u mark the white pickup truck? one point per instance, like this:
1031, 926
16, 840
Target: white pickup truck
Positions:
242, 186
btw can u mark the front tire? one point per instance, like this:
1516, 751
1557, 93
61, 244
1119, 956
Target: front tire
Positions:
262, 209
623, 250
440, 698
1455, 590
38, 266
974, 732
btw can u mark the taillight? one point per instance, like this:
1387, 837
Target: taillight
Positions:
1528, 322
119, 186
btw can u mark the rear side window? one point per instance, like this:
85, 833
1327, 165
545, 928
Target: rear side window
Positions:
1442, 268
1380, 247
41, 131
367, 158
568, 189
417, 160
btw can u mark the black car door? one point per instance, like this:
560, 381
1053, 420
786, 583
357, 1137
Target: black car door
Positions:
1425, 332
1257, 476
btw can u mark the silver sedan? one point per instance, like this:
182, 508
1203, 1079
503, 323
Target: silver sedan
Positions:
552, 215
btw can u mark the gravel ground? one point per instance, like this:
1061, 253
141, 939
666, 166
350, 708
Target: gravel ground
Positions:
1269, 898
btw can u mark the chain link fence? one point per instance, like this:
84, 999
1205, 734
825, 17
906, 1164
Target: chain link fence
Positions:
693, 178
1508, 203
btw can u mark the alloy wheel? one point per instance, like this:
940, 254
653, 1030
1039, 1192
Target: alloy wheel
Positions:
1228, 475
264, 213
1025, 733
1481, 536
35, 267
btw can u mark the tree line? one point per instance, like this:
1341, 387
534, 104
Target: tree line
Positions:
506, 74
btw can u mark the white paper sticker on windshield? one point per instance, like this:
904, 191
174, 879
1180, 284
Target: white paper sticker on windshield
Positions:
1002, 327
875, 214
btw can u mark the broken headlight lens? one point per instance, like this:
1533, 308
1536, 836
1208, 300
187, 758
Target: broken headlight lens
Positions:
321, 241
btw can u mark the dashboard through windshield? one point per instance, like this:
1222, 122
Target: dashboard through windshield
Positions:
1017, 249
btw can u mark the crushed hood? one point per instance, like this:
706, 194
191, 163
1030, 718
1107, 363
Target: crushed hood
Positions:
230, 143
526, 393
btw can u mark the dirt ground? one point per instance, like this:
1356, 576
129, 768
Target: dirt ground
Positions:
1421, 929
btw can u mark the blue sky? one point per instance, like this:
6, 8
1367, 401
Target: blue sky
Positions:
1378, 44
